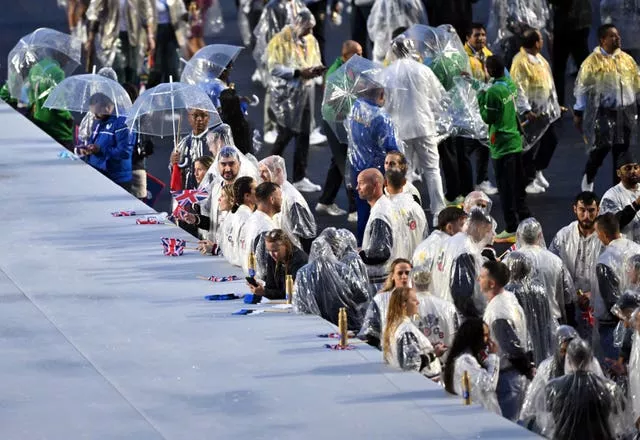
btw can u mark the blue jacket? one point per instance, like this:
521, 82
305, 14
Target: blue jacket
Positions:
114, 157
373, 135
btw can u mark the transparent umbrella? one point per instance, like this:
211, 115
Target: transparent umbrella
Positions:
37, 46
75, 93
209, 62
164, 109
439, 48
349, 82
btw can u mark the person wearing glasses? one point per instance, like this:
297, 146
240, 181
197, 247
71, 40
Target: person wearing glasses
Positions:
284, 259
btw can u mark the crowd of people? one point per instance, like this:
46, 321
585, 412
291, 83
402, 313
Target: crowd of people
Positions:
547, 335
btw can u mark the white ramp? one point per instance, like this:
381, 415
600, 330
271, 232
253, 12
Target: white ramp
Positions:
103, 337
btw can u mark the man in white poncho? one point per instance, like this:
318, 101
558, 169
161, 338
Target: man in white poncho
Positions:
623, 199
295, 217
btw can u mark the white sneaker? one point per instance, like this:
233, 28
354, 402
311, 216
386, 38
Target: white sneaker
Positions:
316, 137
487, 188
586, 186
332, 209
270, 136
305, 185
352, 217
534, 188
541, 181
256, 77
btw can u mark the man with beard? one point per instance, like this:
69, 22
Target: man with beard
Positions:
623, 200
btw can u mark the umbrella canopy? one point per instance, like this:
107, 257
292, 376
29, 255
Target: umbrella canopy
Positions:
164, 109
352, 80
41, 44
75, 93
439, 48
208, 63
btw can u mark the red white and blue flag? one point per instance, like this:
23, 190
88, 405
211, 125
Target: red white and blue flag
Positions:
178, 214
123, 213
216, 279
173, 247
188, 197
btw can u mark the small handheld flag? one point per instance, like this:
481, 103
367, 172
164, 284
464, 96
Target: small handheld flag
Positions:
188, 197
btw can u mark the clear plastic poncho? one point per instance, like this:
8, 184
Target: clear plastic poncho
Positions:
251, 240
326, 284
233, 226
533, 299
375, 318
371, 135
441, 50
483, 379
625, 15
346, 250
546, 267
275, 16
413, 224
614, 200
465, 112
634, 367
388, 15
582, 404
509, 19
408, 346
84, 130
291, 96
416, 101
606, 88
609, 278
567, 245
40, 44
374, 242
427, 251
456, 268
505, 307
295, 216
536, 93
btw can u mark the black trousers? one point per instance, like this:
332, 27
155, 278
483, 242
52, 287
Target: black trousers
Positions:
335, 175
539, 156
319, 11
359, 33
465, 170
605, 141
511, 184
165, 57
451, 150
125, 63
567, 43
301, 154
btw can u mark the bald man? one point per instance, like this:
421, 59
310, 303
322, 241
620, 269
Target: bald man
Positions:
378, 245
335, 174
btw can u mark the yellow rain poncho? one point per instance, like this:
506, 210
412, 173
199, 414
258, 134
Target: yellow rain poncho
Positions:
477, 59
606, 89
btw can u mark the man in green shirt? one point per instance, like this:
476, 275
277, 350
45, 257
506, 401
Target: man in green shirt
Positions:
498, 110
335, 174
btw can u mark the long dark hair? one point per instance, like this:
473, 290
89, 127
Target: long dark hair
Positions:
470, 337
241, 187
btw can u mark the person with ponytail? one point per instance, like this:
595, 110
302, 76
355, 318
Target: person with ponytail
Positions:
404, 345
473, 352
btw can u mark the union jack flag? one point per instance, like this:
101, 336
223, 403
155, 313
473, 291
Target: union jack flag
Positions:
178, 214
173, 247
123, 213
149, 221
188, 197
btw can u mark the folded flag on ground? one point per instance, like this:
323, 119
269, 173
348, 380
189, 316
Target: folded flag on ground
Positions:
123, 213
216, 279
173, 247
188, 197
149, 221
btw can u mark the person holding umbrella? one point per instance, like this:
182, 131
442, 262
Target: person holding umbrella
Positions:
109, 150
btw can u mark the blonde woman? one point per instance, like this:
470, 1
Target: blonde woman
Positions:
225, 203
403, 344
375, 318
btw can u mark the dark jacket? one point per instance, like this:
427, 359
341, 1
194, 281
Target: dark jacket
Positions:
114, 157
458, 13
275, 277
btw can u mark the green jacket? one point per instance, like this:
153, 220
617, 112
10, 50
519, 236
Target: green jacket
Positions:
58, 124
498, 110
335, 66
6, 96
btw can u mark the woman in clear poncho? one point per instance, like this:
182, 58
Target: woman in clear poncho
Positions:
376, 316
326, 284
387, 16
404, 346
244, 192
533, 299
295, 215
582, 404
473, 352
